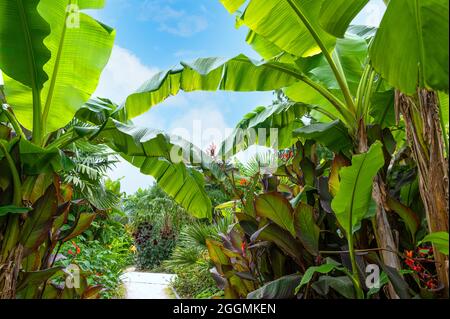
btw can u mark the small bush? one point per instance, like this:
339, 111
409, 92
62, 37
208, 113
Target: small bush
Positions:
153, 245
155, 220
194, 281
103, 253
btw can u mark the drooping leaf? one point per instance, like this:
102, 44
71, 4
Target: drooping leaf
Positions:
151, 151
351, 203
284, 117
439, 239
83, 222
282, 238
333, 135
11, 209
32, 278
307, 229
277, 208
411, 45
336, 15
281, 288
208, 74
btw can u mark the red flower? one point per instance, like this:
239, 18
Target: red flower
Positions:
77, 248
409, 253
409, 262
431, 284
243, 247
70, 252
243, 182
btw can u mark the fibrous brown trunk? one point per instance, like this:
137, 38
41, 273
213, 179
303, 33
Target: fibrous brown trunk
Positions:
383, 232
9, 272
421, 116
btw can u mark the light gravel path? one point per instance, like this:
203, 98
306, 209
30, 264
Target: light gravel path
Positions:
143, 285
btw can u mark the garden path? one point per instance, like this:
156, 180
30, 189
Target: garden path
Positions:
144, 285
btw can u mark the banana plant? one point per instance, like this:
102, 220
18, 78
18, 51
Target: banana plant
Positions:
51, 57
311, 52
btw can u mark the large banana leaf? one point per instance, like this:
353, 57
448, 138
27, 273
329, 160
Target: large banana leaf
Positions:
267, 49
333, 135
78, 55
350, 54
151, 152
232, 5
22, 51
287, 24
352, 201
303, 93
285, 117
411, 45
23, 55
211, 74
336, 15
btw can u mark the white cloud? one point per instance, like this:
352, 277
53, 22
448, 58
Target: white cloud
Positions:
202, 126
186, 27
123, 74
131, 178
372, 14
170, 20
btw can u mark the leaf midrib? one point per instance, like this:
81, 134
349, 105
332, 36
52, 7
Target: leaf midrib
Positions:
352, 202
55, 70
33, 72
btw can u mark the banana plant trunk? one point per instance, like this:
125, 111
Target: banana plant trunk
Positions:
382, 229
424, 134
9, 272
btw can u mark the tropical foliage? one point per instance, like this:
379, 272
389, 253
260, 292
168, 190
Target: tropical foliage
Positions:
359, 182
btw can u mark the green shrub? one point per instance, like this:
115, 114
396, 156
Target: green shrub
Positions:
194, 281
103, 253
156, 221
190, 260
153, 244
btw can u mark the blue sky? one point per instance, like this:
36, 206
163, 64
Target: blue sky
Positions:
153, 35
